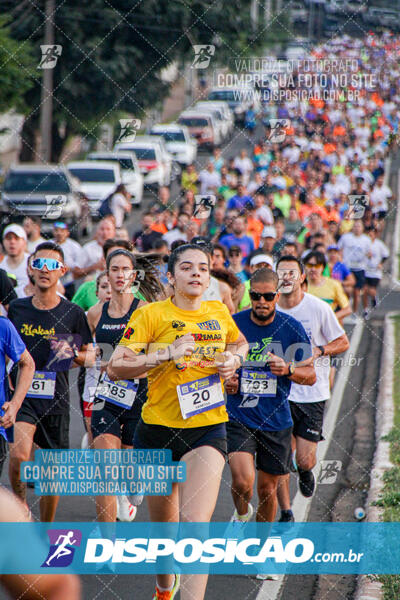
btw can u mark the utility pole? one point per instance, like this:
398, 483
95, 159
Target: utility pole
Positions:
46, 107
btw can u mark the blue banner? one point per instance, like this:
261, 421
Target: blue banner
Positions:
215, 548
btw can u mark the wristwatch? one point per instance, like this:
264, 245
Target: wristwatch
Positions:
75, 351
322, 350
291, 369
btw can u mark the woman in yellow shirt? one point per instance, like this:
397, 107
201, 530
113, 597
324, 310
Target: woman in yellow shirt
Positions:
186, 347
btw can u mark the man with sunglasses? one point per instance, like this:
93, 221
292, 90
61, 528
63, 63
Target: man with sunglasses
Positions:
307, 404
260, 424
57, 335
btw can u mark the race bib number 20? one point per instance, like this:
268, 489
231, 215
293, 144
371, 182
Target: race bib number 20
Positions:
200, 395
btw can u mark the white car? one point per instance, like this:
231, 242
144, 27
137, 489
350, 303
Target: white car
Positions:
218, 116
97, 180
336, 7
155, 162
239, 100
226, 111
202, 127
130, 171
225, 123
177, 139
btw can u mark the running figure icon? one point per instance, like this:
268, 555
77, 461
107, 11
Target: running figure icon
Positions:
62, 542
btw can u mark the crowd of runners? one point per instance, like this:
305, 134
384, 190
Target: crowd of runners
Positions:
247, 295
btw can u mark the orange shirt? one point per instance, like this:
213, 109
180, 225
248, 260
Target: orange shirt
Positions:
159, 227
255, 229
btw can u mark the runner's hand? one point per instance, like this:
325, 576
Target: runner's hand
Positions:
183, 346
10, 414
232, 384
277, 365
226, 363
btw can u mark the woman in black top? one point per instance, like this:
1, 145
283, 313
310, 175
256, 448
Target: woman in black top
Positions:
117, 406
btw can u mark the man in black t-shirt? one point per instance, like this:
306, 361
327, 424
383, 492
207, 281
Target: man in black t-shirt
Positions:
57, 335
144, 240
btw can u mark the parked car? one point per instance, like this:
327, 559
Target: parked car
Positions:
132, 178
202, 127
390, 19
336, 7
238, 99
180, 145
155, 165
45, 191
219, 115
97, 180
226, 111
356, 7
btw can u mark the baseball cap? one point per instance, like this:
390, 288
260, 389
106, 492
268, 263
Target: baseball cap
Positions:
332, 247
269, 231
16, 230
261, 258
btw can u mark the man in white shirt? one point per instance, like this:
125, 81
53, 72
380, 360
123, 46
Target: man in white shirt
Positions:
16, 260
32, 229
356, 246
210, 179
120, 204
179, 232
373, 269
244, 165
72, 256
92, 259
379, 198
307, 403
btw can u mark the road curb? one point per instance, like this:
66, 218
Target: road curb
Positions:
366, 588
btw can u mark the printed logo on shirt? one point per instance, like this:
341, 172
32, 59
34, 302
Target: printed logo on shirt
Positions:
31, 330
209, 325
178, 325
128, 333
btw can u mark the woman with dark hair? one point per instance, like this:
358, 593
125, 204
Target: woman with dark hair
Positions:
177, 342
117, 405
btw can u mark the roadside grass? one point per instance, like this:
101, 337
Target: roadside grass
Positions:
390, 496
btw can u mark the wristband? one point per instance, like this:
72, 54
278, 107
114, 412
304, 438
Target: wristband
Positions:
322, 350
240, 357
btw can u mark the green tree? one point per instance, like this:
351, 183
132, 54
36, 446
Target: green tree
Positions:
114, 50
16, 70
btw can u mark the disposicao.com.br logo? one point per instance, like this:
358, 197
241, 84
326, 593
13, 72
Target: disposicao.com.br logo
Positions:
62, 547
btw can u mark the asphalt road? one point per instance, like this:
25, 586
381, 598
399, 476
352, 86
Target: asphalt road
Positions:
352, 443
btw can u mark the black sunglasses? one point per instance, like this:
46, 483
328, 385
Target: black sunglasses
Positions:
268, 296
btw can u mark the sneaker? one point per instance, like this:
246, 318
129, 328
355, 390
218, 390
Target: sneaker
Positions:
352, 319
306, 483
286, 517
236, 518
264, 577
85, 441
125, 510
168, 595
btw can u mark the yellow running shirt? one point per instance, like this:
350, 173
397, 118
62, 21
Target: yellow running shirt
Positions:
157, 325
331, 291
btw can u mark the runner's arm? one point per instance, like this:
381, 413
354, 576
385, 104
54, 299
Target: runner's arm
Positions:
26, 369
86, 356
337, 346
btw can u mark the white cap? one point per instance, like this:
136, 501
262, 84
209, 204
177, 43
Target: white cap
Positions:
16, 230
269, 231
261, 258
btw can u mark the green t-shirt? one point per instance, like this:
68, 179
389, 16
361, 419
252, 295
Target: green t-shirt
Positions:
245, 301
85, 296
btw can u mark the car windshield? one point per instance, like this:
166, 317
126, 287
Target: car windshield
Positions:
86, 174
30, 181
227, 95
124, 163
193, 121
171, 136
145, 153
